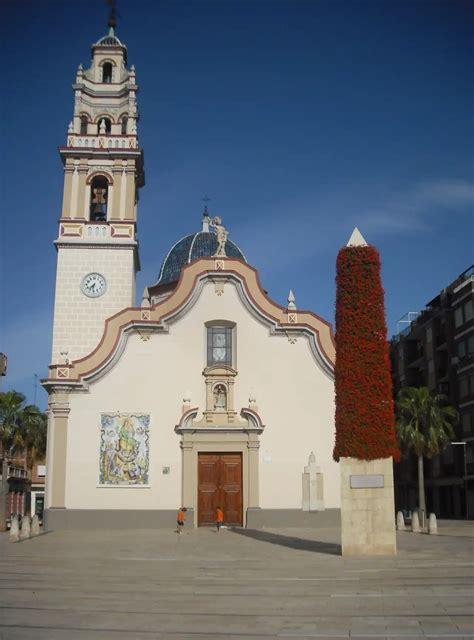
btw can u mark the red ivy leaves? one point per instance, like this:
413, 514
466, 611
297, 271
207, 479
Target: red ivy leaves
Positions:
365, 422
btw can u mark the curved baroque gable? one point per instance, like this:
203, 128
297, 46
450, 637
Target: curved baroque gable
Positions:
156, 318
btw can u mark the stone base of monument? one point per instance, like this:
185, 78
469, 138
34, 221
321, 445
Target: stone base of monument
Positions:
367, 507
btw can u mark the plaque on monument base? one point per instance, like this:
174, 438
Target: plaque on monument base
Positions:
367, 507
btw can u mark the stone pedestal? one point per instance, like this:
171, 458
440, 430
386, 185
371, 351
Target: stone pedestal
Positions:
14, 529
313, 488
25, 531
367, 507
35, 526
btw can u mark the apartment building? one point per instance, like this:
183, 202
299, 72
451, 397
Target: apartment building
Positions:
436, 350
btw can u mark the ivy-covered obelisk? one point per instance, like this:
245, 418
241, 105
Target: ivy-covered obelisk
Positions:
365, 423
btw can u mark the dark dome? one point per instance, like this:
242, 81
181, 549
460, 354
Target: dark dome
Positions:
109, 40
202, 244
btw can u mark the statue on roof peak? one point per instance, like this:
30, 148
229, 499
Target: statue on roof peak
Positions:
221, 233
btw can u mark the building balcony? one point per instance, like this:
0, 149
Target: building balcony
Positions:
101, 142
17, 472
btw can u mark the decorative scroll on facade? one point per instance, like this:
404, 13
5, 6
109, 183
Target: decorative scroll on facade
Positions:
124, 449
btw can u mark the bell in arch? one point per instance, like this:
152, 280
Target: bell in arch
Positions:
99, 204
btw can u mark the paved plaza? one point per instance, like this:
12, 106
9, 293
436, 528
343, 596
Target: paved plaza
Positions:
238, 585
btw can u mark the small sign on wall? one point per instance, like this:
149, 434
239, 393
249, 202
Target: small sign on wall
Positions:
365, 481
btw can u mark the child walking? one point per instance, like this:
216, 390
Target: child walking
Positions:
219, 518
181, 517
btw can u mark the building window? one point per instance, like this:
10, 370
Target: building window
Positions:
465, 347
107, 73
219, 346
466, 422
464, 313
468, 311
463, 387
84, 123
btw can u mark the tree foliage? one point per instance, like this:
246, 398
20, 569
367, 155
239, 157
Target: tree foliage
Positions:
425, 425
22, 427
424, 421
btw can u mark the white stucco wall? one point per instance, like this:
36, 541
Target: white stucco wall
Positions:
79, 320
295, 400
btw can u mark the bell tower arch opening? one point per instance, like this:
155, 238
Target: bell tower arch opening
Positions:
99, 199
107, 72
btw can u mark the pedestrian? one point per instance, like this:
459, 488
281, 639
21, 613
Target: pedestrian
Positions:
180, 519
219, 518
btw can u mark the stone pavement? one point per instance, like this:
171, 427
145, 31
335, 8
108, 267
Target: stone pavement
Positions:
237, 585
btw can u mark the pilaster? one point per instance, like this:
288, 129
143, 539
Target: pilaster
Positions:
58, 415
117, 176
253, 446
66, 211
81, 191
130, 191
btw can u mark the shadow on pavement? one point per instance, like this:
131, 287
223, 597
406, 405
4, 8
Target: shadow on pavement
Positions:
289, 541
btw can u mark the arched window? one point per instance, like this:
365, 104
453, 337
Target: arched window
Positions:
107, 73
124, 125
104, 122
84, 123
99, 198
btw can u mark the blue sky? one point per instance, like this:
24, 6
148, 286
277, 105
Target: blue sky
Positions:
299, 119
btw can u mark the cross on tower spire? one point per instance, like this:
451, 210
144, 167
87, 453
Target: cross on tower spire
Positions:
113, 15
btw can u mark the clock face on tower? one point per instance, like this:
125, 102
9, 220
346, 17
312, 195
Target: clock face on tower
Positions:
93, 285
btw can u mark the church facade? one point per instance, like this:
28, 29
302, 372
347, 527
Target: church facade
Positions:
205, 394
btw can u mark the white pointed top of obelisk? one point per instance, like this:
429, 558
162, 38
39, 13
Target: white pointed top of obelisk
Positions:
357, 239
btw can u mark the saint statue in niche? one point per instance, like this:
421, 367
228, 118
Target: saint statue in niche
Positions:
220, 397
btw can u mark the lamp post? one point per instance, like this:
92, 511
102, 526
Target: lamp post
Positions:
463, 444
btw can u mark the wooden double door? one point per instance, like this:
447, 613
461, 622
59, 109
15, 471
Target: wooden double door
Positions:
220, 485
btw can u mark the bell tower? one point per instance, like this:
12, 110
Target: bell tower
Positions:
97, 244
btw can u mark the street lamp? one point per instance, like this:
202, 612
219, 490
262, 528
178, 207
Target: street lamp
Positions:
463, 444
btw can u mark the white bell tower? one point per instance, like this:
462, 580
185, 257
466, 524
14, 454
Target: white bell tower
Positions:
103, 171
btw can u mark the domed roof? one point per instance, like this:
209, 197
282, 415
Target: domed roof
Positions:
109, 39
202, 244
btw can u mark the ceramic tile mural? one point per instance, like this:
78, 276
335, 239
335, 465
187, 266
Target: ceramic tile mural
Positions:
124, 449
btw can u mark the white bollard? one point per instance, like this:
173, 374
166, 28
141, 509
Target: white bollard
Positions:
14, 529
415, 522
35, 526
433, 524
400, 521
25, 532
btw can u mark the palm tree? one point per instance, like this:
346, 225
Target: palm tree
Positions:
424, 424
11, 405
32, 434
22, 428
